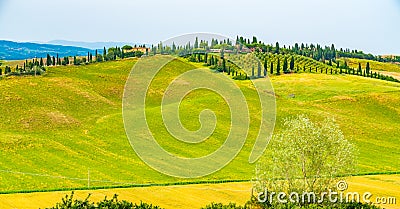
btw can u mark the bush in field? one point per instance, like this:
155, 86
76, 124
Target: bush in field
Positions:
70, 203
306, 157
222, 206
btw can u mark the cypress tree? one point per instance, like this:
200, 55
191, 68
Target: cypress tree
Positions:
278, 67
292, 63
277, 48
271, 70
265, 67
285, 65
223, 65
196, 43
367, 68
48, 60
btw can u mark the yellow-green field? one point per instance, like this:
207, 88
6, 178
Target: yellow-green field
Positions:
374, 65
55, 128
197, 196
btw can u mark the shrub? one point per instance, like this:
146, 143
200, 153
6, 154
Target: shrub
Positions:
70, 203
222, 206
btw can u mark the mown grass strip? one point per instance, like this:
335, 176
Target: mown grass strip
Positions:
168, 184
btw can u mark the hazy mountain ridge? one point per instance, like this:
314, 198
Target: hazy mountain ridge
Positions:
91, 45
10, 50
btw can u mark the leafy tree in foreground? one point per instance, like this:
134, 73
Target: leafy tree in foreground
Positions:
308, 156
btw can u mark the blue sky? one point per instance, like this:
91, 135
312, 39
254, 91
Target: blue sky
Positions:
372, 26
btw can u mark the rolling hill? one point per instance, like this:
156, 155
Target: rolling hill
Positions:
57, 128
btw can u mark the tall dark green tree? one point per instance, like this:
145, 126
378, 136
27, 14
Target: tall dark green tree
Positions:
265, 67
173, 47
292, 63
104, 53
48, 60
359, 69
367, 68
271, 69
254, 40
65, 61
223, 65
277, 47
285, 65
196, 43
278, 67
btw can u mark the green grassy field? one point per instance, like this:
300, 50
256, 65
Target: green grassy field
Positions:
196, 196
375, 65
69, 121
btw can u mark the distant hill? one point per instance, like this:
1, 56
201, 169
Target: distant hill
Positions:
10, 50
91, 45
